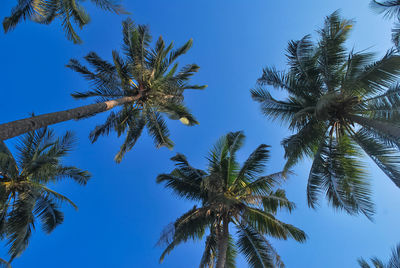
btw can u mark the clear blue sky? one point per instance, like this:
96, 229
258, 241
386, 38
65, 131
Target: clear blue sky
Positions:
122, 210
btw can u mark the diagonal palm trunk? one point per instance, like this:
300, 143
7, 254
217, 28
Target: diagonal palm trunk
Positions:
383, 127
18, 127
222, 240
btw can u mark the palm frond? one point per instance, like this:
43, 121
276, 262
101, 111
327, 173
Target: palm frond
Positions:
210, 251
231, 253
189, 226
255, 163
338, 174
304, 142
110, 5
266, 223
386, 158
48, 212
277, 200
157, 128
135, 129
395, 257
20, 224
331, 48
274, 109
8, 165
251, 244
264, 185
363, 263
381, 74
22, 11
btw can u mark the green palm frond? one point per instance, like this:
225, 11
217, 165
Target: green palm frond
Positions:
395, 258
277, 200
231, 253
385, 157
185, 180
301, 58
252, 245
22, 11
331, 49
189, 226
48, 213
341, 179
20, 224
135, 128
304, 143
381, 74
255, 163
264, 184
363, 263
157, 128
266, 223
210, 251
8, 165
393, 262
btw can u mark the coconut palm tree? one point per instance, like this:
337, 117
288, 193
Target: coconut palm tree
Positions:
230, 193
24, 195
390, 9
46, 11
394, 261
145, 84
339, 104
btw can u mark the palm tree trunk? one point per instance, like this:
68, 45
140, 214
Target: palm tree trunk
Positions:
18, 127
383, 127
222, 240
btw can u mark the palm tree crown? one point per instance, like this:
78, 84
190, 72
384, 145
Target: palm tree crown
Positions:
45, 11
339, 104
147, 75
24, 196
230, 193
394, 261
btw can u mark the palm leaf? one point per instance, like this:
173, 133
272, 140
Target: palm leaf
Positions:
251, 245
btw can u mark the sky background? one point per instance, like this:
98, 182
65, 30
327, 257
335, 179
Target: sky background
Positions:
122, 210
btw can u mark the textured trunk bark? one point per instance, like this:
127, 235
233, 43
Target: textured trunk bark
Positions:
223, 240
383, 127
18, 127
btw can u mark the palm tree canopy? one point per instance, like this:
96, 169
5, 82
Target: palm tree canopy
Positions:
390, 9
394, 261
24, 195
149, 74
45, 11
339, 104
237, 193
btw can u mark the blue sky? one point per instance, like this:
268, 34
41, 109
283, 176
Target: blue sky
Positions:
122, 210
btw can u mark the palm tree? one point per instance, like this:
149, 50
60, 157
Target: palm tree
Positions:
145, 84
45, 11
390, 9
24, 195
394, 261
339, 105
230, 193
